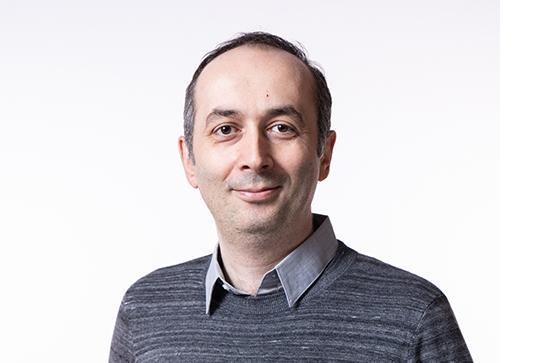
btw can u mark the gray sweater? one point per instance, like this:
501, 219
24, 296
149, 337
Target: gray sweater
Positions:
359, 310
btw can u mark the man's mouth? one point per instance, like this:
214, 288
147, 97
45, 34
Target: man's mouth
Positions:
257, 194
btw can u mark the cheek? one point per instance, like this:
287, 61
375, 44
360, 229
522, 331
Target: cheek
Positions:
309, 172
304, 171
301, 157
211, 168
210, 181
211, 184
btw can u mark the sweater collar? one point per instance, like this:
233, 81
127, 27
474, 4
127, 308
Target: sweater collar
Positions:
294, 274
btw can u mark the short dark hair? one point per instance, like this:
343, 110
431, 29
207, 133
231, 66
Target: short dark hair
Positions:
323, 97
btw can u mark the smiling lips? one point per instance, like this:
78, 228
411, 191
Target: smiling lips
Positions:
257, 194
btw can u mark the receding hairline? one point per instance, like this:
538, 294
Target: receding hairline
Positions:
323, 99
304, 67
259, 46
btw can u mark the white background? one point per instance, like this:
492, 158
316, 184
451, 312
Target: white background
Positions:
93, 195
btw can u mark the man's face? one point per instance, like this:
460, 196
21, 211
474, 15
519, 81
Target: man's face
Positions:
255, 140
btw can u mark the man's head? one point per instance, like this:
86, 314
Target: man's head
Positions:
323, 99
257, 149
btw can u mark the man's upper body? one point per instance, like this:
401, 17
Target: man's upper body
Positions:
313, 306
279, 286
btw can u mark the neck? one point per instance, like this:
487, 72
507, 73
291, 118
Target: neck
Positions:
247, 257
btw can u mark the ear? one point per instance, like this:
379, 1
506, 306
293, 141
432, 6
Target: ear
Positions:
188, 163
327, 155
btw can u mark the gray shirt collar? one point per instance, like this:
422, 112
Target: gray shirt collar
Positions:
294, 274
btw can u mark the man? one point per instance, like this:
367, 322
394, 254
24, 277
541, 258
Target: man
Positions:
279, 285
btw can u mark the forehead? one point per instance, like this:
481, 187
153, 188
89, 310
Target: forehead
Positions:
252, 77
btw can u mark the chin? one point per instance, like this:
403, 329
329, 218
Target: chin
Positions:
260, 223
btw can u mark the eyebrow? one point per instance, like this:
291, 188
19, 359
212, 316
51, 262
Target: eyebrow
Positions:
217, 113
287, 110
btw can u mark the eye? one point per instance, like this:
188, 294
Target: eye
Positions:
224, 130
283, 129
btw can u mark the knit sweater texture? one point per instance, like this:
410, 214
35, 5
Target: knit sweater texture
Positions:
359, 310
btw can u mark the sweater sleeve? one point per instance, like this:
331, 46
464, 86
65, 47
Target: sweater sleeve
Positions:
438, 337
122, 344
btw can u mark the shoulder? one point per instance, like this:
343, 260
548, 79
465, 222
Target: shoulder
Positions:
373, 279
386, 274
416, 309
177, 279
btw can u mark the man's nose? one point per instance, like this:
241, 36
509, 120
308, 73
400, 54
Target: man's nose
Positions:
255, 152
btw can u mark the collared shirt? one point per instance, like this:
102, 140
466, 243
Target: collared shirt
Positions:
294, 274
